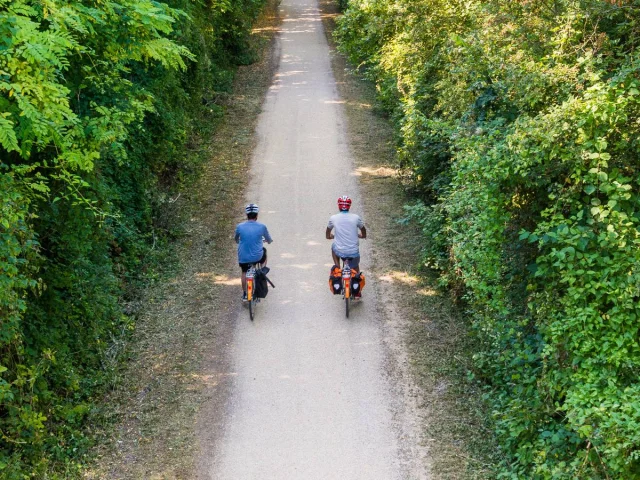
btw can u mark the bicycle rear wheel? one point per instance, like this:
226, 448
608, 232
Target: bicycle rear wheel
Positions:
252, 308
251, 297
346, 304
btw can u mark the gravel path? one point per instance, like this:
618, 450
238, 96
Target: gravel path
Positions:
309, 394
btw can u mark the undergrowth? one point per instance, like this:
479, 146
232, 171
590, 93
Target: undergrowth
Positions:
102, 115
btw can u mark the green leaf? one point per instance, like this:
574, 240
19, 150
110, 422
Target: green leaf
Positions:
8, 137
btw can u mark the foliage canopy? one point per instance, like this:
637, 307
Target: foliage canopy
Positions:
102, 106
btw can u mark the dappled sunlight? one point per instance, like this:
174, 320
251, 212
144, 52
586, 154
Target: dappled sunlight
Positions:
290, 73
339, 102
264, 30
427, 292
307, 18
313, 243
399, 277
305, 23
310, 30
287, 255
330, 15
382, 172
159, 365
226, 280
207, 380
362, 105
206, 277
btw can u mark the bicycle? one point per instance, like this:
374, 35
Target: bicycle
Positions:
252, 300
346, 282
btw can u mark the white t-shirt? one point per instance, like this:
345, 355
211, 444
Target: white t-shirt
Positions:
346, 228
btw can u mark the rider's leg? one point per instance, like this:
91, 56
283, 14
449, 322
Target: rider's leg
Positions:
263, 260
336, 258
355, 264
243, 278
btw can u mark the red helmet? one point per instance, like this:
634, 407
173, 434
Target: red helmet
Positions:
344, 203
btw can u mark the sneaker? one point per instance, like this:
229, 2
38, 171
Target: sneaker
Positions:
244, 296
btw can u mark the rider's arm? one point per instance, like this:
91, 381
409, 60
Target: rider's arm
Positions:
237, 235
363, 232
267, 237
328, 234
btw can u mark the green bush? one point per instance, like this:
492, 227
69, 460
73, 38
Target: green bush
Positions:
103, 107
517, 126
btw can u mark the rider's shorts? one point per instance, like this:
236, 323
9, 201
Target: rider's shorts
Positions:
355, 259
245, 266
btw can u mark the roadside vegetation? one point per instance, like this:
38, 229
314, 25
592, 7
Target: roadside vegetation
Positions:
433, 332
105, 109
516, 127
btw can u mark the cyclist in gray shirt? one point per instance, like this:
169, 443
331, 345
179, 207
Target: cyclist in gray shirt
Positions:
348, 229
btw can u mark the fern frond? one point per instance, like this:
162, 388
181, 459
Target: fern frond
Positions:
8, 138
79, 160
23, 10
168, 53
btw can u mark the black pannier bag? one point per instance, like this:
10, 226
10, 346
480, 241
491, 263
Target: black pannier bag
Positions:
261, 282
335, 280
357, 284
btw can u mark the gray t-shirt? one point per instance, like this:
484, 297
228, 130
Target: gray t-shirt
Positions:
346, 226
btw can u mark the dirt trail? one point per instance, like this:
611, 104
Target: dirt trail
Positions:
306, 393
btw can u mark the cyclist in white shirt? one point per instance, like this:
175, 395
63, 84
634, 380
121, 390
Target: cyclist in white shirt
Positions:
348, 230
